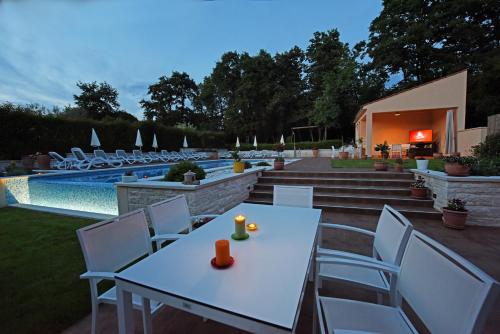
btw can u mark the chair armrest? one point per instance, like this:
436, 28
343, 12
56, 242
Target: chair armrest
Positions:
348, 228
343, 255
204, 216
99, 275
172, 236
371, 264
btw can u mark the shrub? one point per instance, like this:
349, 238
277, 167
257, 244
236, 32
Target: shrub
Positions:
13, 170
464, 161
176, 173
263, 164
236, 156
487, 167
248, 165
489, 148
456, 204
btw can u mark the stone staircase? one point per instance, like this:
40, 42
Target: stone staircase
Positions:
349, 192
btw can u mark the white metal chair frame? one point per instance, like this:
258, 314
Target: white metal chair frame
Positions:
109, 160
297, 196
390, 239
123, 156
170, 217
396, 151
138, 156
85, 162
62, 162
109, 246
447, 292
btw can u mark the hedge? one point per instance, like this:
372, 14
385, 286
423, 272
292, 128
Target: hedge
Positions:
304, 145
25, 133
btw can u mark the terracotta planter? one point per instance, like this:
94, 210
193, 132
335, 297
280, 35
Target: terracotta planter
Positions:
454, 219
28, 162
239, 167
437, 156
418, 193
279, 165
43, 161
398, 168
380, 166
455, 169
343, 155
315, 153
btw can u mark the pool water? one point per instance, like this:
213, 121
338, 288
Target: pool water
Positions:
91, 191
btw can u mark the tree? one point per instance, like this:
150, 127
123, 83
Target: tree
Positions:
97, 100
171, 100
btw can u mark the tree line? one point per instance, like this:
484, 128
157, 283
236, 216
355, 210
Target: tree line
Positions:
328, 82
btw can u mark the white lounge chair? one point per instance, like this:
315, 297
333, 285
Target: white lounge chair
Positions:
139, 157
447, 293
123, 156
389, 242
110, 160
109, 246
85, 162
170, 217
168, 156
62, 162
157, 157
293, 196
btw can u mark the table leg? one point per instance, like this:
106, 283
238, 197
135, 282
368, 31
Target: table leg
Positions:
146, 316
125, 311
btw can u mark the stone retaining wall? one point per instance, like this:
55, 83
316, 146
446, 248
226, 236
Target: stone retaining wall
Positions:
214, 196
482, 194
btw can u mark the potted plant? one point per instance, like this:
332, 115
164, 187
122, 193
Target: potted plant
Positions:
458, 166
418, 189
398, 166
411, 153
380, 165
422, 163
129, 176
343, 154
279, 163
238, 165
455, 214
315, 152
383, 149
43, 160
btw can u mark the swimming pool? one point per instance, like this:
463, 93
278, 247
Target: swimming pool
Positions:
91, 191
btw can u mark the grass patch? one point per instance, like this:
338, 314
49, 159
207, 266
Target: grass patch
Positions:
40, 264
434, 164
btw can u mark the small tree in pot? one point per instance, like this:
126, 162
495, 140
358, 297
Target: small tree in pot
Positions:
418, 189
459, 166
238, 165
383, 149
455, 214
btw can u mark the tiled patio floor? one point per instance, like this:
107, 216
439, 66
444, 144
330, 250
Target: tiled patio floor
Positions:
480, 245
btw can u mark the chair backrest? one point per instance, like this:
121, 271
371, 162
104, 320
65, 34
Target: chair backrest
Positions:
56, 156
396, 147
293, 196
391, 235
447, 292
100, 154
137, 153
112, 244
121, 153
78, 153
170, 216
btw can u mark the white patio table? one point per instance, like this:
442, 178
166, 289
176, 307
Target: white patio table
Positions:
261, 293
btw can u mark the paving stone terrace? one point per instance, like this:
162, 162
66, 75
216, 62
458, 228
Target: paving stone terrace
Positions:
346, 190
480, 245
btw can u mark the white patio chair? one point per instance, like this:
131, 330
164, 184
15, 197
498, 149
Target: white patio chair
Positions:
122, 155
396, 151
62, 162
335, 153
109, 160
447, 293
293, 196
109, 246
170, 217
139, 157
390, 239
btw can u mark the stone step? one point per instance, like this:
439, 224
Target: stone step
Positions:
386, 190
342, 175
372, 209
317, 181
335, 198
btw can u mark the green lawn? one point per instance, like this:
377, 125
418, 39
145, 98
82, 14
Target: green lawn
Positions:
40, 264
408, 163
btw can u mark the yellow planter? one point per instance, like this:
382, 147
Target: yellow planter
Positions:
238, 167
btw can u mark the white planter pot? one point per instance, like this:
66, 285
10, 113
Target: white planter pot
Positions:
129, 178
422, 164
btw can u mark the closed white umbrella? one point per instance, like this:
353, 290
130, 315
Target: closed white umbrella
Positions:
282, 140
237, 142
94, 140
255, 141
155, 142
185, 143
138, 139
449, 143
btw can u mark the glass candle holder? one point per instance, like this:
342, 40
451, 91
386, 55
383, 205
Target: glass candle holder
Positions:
239, 226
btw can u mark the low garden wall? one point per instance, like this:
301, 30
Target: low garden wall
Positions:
214, 195
482, 194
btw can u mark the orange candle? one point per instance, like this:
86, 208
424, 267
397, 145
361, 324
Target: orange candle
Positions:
252, 227
222, 254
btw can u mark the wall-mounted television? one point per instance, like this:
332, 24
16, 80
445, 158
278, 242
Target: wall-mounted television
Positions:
420, 136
